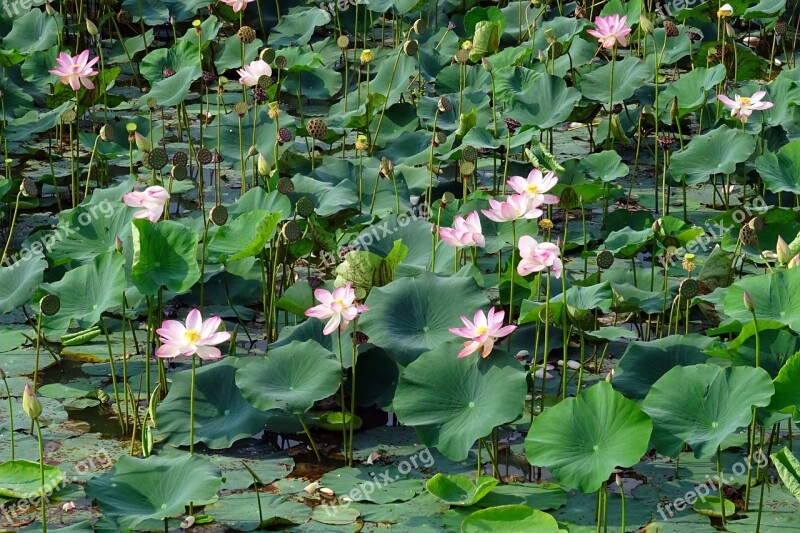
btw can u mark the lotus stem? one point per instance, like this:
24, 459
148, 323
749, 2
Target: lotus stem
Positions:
113, 371
43, 499
353, 390
191, 406
10, 414
719, 485
310, 441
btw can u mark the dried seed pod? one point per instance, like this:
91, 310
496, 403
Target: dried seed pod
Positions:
304, 207
28, 188
291, 231
285, 186
123, 17
157, 158
259, 95
281, 62
179, 172
748, 235
267, 54
671, 28
246, 34
204, 156
180, 159
50, 305
218, 215
284, 135
469, 153
316, 128
444, 105
106, 133
420, 27
411, 47
604, 260
208, 77
780, 28
689, 288
343, 42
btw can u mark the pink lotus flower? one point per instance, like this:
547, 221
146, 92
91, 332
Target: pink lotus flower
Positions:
152, 199
515, 207
535, 186
73, 71
611, 30
237, 5
338, 308
465, 231
196, 337
536, 256
249, 74
743, 106
482, 332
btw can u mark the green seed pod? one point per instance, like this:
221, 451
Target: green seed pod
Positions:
604, 260
689, 288
304, 207
291, 231
158, 158
285, 186
204, 156
218, 215
179, 172
50, 305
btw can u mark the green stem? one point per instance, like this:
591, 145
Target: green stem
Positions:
191, 406
10, 415
43, 500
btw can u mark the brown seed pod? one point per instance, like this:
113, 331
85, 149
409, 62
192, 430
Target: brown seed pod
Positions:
50, 305
469, 153
218, 215
604, 260
28, 188
304, 207
411, 47
689, 288
123, 17
246, 34
780, 28
291, 231
204, 156
180, 159
284, 135
748, 235
316, 128
671, 28
285, 186
157, 158
444, 105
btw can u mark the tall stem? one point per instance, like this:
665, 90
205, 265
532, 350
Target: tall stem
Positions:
43, 500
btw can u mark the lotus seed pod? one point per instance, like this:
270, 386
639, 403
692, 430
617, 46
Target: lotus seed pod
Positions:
444, 105
304, 207
466, 168
605, 259
208, 77
689, 288
343, 42
246, 34
218, 215
152, 103
462, 56
204, 156
281, 62
106, 134
440, 138
123, 17
291, 231
264, 82
68, 116
158, 158
285, 186
411, 47
263, 165
420, 27
316, 128
179, 172
240, 108
469, 153
748, 235
670, 28
30, 403
50, 305
780, 28
367, 56
146, 160
284, 135
28, 188
267, 54
180, 159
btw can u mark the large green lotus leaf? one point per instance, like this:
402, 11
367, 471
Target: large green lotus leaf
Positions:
11, 339
222, 415
396, 6
629, 74
627, 242
243, 237
643, 363
155, 488
89, 230
546, 103
21, 479
788, 468
33, 32
605, 166
297, 27
173, 90
582, 440
410, 316
453, 402
775, 296
691, 90
715, 152
366, 269
291, 377
319, 84
359, 484
177, 57
231, 55
458, 490
509, 519
542, 496
19, 281
259, 199
701, 405
509, 82
241, 511
787, 393
87, 292
151, 12
784, 93
164, 254
781, 170
35, 122
764, 9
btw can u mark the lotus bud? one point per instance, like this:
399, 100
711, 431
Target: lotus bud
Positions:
522, 355
118, 244
263, 165
784, 253
618, 480
657, 226
794, 262
2, 374
30, 403
610, 376
142, 143
748, 301
674, 110
645, 24
559, 243
187, 522
49, 10
486, 65
91, 28
729, 31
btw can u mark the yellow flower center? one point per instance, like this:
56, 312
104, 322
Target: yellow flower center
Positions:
745, 100
533, 189
192, 336
480, 330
